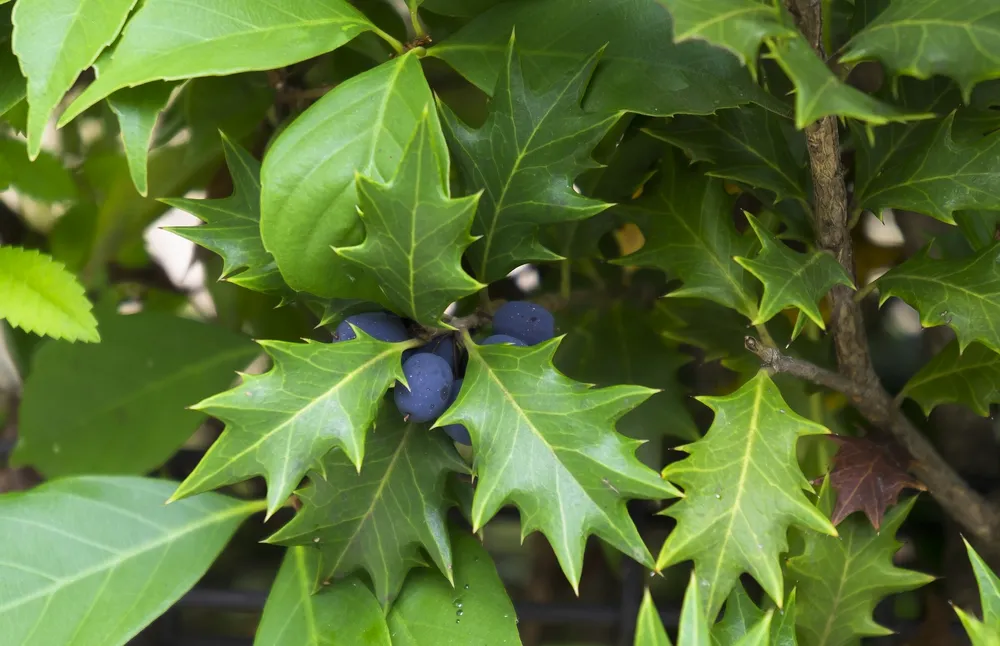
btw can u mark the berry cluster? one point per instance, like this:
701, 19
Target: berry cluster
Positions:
435, 370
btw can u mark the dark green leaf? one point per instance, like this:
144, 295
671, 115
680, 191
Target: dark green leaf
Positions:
415, 232
93, 560
744, 624
13, 86
743, 489
790, 278
316, 397
985, 632
970, 378
642, 70
45, 179
175, 39
309, 197
458, 8
981, 228
963, 293
687, 220
547, 444
137, 109
396, 506
534, 143
123, 401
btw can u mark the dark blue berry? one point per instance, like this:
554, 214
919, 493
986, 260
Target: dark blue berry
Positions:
430, 378
380, 325
529, 322
457, 432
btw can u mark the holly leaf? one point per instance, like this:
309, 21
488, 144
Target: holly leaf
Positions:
694, 627
38, 295
743, 489
738, 26
397, 505
524, 158
415, 232
231, 226
962, 293
744, 623
686, 218
749, 145
649, 630
970, 378
867, 477
317, 396
790, 278
840, 580
819, 93
931, 171
985, 632
547, 444
980, 228
936, 37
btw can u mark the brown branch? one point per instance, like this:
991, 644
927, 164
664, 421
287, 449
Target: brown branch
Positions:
971, 510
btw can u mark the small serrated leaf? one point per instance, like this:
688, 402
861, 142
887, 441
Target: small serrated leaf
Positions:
535, 142
547, 444
396, 506
743, 489
415, 232
744, 623
962, 293
987, 631
970, 378
695, 628
317, 396
38, 295
649, 630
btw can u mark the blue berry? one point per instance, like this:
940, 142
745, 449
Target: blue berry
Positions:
457, 432
380, 325
442, 346
529, 322
502, 338
430, 378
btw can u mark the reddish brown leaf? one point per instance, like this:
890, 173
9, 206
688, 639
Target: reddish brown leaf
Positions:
867, 477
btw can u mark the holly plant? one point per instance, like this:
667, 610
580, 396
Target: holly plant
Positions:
676, 285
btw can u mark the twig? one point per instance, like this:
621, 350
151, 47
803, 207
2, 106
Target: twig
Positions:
971, 510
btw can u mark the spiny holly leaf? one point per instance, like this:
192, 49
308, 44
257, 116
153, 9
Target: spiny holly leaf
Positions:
621, 345
743, 489
981, 228
547, 444
534, 143
744, 623
987, 631
749, 145
790, 278
971, 378
232, 226
819, 93
962, 293
936, 174
649, 630
736, 25
380, 518
840, 580
695, 628
934, 37
867, 477
415, 232
317, 396
687, 220
38, 295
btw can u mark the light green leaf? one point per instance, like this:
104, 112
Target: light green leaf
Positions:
744, 624
93, 560
476, 610
970, 378
122, 402
962, 293
341, 614
743, 489
415, 233
933, 37
790, 278
232, 226
309, 197
736, 25
547, 445
13, 86
175, 39
534, 143
396, 506
54, 41
749, 145
38, 295
987, 631
840, 579
642, 69
819, 93
929, 170
622, 345
44, 179
687, 220
649, 629
317, 396
137, 110
694, 629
